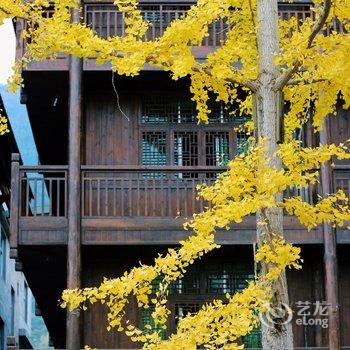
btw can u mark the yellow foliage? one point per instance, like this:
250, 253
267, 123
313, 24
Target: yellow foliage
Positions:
251, 184
3, 125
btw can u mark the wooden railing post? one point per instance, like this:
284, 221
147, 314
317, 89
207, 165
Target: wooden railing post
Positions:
330, 256
73, 324
14, 205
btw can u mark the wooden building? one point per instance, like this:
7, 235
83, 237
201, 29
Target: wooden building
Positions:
120, 160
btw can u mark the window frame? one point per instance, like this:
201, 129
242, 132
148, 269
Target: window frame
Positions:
201, 131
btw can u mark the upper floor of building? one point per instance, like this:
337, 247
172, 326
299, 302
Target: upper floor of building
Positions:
106, 21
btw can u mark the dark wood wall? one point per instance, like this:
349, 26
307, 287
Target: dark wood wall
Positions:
111, 138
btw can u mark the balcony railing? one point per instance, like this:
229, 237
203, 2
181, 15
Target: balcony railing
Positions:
106, 21
124, 191
112, 191
43, 191
144, 191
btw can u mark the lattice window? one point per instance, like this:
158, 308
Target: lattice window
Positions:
185, 148
184, 309
219, 113
217, 148
342, 182
242, 145
253, 339
147, 324
166, 110
154, 148
188, 284
227, 278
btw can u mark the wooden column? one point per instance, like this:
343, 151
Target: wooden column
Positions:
318, 295
14, 205
73, 331
330, 256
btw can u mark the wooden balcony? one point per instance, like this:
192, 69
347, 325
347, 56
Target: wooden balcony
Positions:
106, 21
129, 205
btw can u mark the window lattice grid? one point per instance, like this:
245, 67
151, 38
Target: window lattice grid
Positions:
147, 323
166, 110
242, 145
154, 148
185, 148
253, 339
227, 279
188, 284
219, 113
217, 148
184, 309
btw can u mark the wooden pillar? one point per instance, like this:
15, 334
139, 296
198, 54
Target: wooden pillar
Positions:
330, 256
318, 296
14, 205
73, 331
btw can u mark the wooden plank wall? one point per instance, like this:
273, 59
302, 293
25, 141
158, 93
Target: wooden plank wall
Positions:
110, 138
95, 332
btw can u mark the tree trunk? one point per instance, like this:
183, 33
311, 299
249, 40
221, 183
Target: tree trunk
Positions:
277, 333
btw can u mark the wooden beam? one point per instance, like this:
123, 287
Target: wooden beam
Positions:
330, 256
73, 324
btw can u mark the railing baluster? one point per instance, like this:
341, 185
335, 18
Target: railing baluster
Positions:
162, 196
154, 197
98, 197
193, 196
130, 196
185, 201
114, 200
106, 197
177, 197
35, 196
50, 197
138, 198
122, 196
161, 30
146, 195
108, 28
58, 197
27, 195
43, 196
90, 197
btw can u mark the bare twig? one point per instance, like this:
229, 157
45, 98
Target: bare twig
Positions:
118, 101
287, 75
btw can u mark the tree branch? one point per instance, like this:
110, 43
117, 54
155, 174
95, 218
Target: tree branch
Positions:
7, 13
286, 76
304, 81
248, 83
